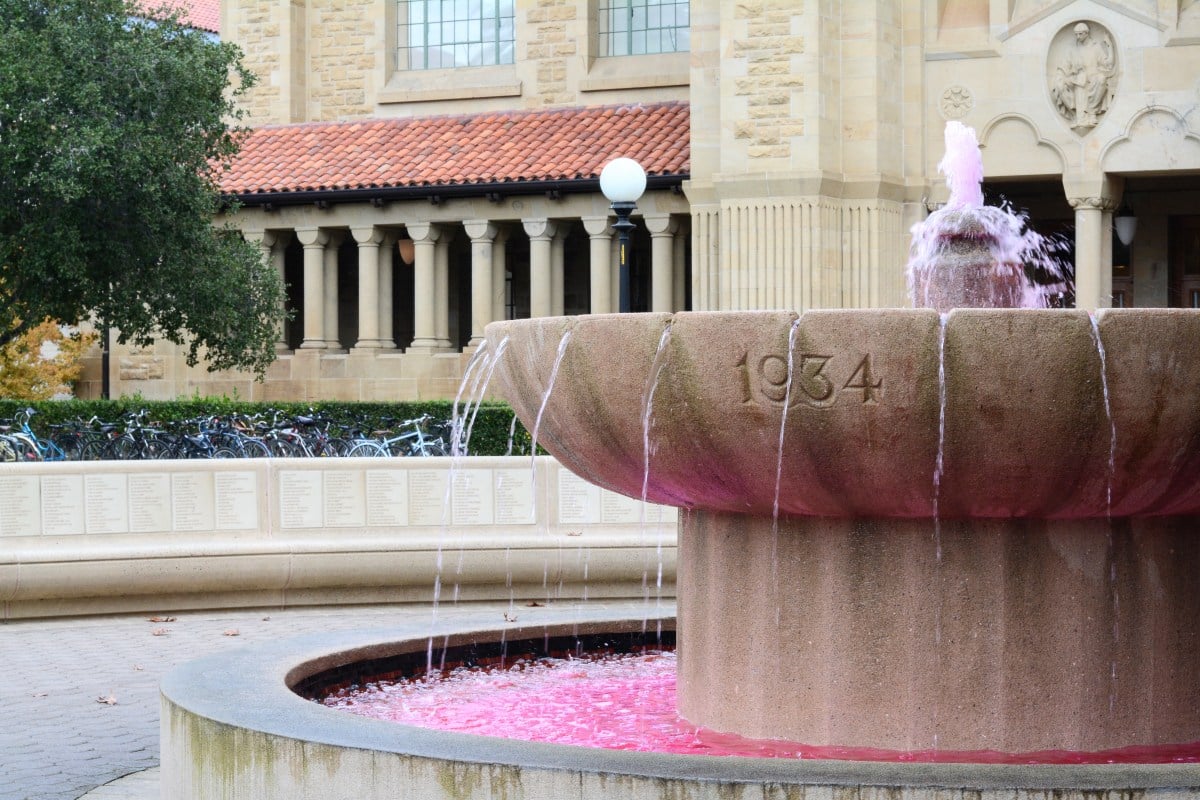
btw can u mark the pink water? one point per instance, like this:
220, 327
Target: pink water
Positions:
627, 702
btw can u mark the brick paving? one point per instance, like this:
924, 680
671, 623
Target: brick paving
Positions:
79, 700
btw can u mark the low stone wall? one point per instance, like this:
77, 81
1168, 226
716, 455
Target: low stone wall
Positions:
102, 537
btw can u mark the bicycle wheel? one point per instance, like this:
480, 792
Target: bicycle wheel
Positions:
93, 451
282, 448
224, 452
7, 451
367, 450
255, 448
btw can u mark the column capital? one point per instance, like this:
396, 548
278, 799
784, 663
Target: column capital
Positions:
261, 238
539, 228
423, 231
660, 224
1092, 203
367, 234
480, 229
597, 226
312, 237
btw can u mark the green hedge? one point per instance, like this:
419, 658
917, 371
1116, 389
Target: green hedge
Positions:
489, 436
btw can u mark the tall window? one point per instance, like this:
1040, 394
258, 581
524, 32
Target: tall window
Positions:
438, 34
641, 27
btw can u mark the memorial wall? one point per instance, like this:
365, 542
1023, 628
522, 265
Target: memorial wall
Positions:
99, 537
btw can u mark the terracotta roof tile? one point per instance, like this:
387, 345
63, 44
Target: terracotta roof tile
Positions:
559, 144
203, 15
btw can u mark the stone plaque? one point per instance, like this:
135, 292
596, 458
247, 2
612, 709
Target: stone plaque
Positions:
427, 496
578, 500
20, 506
192, 504
300, 499
514, 497
617, 509
387, 498
473, 497
106, 503
237, 501
62, 505
345, 499
149, 503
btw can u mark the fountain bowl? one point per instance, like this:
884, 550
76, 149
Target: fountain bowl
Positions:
903, 530
233, 728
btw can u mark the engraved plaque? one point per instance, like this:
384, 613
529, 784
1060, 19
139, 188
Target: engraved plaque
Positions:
578, 500
237, 501
427, 496
300, 499
473, 497
106, 503
617, 509
62, 505
514, 497
20, 506
345, 499
192, 505
387, 497
149, 503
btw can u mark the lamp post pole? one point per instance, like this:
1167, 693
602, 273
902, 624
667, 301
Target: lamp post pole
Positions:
622, 181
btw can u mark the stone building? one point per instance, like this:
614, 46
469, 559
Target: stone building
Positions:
422, 167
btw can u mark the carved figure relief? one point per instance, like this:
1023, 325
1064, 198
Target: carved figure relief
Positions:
1082, 69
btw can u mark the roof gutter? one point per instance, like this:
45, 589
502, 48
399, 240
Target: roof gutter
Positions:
494, 191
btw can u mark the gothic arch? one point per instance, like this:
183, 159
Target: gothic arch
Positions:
1156, 139
1013, 147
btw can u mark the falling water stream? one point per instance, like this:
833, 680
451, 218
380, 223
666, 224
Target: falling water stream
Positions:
787, 404
661, 357
1114, 591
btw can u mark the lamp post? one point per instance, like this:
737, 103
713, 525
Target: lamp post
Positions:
622, 181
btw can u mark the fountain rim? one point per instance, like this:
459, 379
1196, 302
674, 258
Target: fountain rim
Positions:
250, 689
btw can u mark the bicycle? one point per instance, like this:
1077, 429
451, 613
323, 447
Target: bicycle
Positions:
416, 442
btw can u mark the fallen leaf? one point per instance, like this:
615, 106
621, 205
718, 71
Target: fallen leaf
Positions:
138, 667
41, 694
266, 619
108, 700
510, 617
534, 604
574, 533
160, 631
161, 619
230, 632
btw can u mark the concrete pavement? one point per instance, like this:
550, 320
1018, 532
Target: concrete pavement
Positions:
79, 701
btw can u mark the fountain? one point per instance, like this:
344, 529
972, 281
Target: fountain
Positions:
902, 530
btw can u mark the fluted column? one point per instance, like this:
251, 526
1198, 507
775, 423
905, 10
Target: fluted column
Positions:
313, 240
499, 275
332, 339
541, 234
679, 267
441, 293
387, 261
1093, 252
368, 239
424, 236
273, 246
662, 229
600, 238
483, 235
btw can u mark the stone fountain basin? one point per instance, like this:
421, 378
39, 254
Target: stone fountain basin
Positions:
1026, 432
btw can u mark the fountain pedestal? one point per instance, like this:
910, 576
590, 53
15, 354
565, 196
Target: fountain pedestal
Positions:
986, 520
1020, 636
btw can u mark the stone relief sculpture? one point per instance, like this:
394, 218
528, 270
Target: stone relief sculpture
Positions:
1083, 74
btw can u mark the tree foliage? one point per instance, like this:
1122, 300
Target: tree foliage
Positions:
43, 362
115, 125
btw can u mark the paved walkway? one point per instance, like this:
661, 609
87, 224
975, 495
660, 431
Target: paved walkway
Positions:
79, 698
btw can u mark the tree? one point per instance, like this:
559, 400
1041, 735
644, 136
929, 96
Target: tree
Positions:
115, 125
43, 362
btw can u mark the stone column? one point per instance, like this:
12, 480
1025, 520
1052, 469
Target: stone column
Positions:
424, 236
499, 275
557, 270
541, 233
600, 238
387, 260
273, 246
662, 260
679, 268
332, 341
441, 293
313, 240
1093, 255
368, 238
483, 235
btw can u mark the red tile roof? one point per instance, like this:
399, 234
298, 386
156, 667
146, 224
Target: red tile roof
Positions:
203, 15
556, 144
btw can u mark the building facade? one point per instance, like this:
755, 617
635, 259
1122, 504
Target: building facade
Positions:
419, 168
